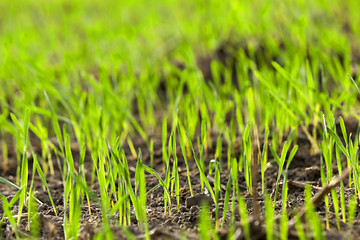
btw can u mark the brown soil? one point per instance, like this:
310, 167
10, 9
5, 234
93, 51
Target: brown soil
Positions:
305, 168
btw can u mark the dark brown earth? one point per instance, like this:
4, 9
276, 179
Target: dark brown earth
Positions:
305, 168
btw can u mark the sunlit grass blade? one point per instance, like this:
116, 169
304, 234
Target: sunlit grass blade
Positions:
336, 207
284, 225
269, 218
152, 171
140, 178
326, 198
43, 180
264, 156
7, 210
202, 173
183, 150
55, 123
311, 216
354, 82
226, 200
299, 227
164, 140
9, 183
352, 211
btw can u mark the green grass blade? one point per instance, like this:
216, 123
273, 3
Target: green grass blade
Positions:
43, 180
7, 182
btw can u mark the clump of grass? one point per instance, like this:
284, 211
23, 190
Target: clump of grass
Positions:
281, 161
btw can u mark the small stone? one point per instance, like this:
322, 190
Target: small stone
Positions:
198, 199
176, 220
194, 209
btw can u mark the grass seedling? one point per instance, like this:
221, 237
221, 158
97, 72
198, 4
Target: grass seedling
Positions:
151, 153
229, 148
284, 225
217, 185
244, 216
326, 198
351, 153
125, 189
123, 204
132, 148
201, 170
327, 147
201, 159
281, 161
139, 129
241, 202
74, 216
33, 216
163, 184
285, 176
7, 210
5, 162
47, 146
264, 164
164, 141
33, 220
82, 173
247, 156
24, 130
72, 197
269, 218
204, 135
235, 188
336, 207
218, 152
175, 173
299, 227
226, 200
350, 150
24, 180
206, 228
43, 180
182, 138
168, 170
141, 184
55, 123
311, 216
342, 193
351, 213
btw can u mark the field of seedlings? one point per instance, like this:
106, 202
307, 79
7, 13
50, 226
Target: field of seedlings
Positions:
172, 119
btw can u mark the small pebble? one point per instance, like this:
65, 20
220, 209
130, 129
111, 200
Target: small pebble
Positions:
198, 199
176, 220
194, 209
